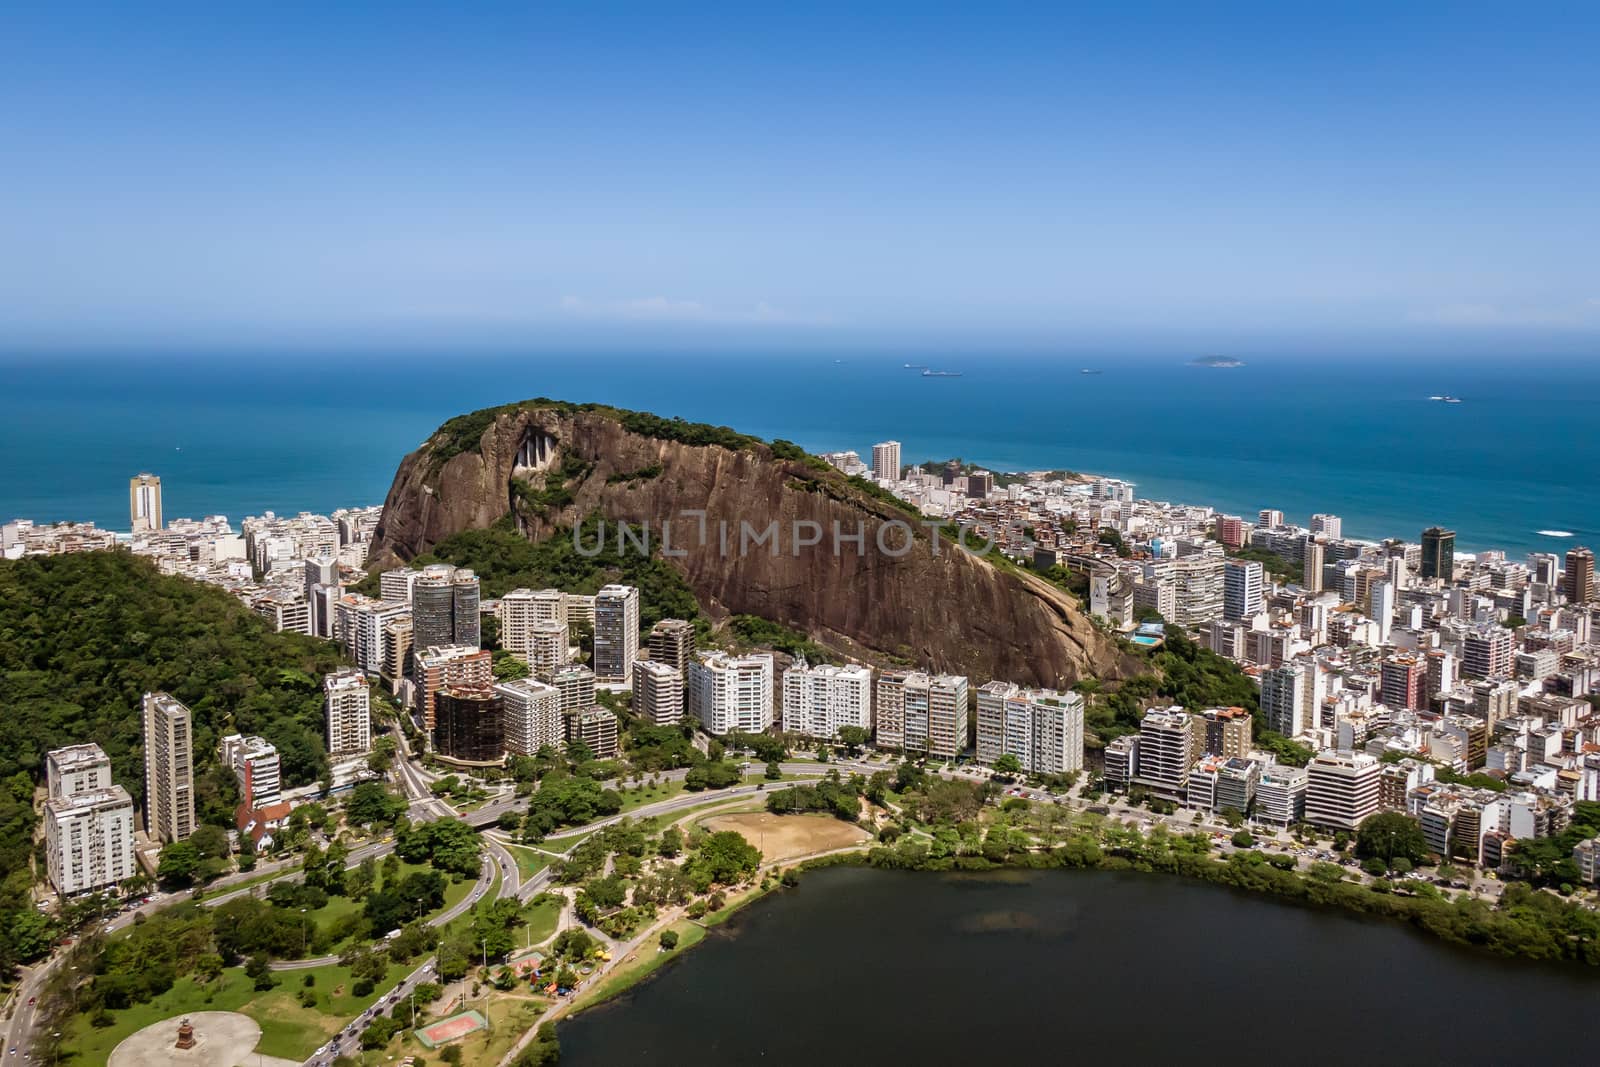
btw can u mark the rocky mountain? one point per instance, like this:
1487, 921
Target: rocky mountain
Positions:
735, 515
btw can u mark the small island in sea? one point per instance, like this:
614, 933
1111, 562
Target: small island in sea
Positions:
1220, 362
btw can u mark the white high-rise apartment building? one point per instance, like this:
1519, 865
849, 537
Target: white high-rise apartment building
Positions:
168, 768
886, 461
396, 584
347, 704
533, 627
1328, 526
255, 763
658, 692
1281, 795
1380, 607
1291, 697
144, 503
731, 693
531, 715
88, 822
817, 701
1342, 789
363, 628
616, 633
1042, 728
1241, 589
1486, 652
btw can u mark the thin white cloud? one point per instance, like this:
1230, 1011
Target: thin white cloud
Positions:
668, 309
1579, 316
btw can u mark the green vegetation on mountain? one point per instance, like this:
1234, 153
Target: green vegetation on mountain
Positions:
505, 560
83, 637
462, 433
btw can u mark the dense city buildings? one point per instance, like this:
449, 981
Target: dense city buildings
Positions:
616, 633
168, 768
730, 693
818, 701
88, 822
347, 708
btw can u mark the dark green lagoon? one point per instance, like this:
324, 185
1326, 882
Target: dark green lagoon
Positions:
867, 966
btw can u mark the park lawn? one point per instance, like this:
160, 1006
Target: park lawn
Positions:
650, 794
644, 960
530, 861
542, 919
288, 1028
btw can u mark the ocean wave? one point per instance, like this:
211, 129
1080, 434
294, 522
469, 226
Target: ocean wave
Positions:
1555, 533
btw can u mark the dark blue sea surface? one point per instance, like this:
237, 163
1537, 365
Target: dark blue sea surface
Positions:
238, 434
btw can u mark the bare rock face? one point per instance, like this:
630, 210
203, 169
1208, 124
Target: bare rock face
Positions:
735, 518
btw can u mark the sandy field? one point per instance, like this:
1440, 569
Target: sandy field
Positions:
783, 837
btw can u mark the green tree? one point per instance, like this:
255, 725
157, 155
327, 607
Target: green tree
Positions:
179, 863
669, 939
1008, 764
1389, 835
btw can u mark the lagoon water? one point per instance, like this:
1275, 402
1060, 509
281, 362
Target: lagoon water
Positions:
240, 433
864, 966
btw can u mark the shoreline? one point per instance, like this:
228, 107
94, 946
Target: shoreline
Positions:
1352, 899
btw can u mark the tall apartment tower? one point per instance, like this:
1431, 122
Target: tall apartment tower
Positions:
531, 711
658, 692
1342, 789
817, 701
918, 712
886, 460
88, 822
1329, 526
1170, 741
1311, 569
144, 503
1042, 728
1577, 579
168, 768
348, 704
616, 633
1241, 589
1439, 554
672, 643
574, 684
444, 607
731, 693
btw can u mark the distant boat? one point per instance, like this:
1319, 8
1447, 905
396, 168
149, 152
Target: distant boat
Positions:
1446, 399
941, 374
916, 366
1217, 362
1090, 370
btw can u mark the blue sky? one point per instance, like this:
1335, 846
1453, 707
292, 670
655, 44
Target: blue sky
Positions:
1207, 177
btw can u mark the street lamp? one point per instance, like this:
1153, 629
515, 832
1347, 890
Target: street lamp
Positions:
302, 931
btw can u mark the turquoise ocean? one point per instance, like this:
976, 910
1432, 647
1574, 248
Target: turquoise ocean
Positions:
1512, 466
